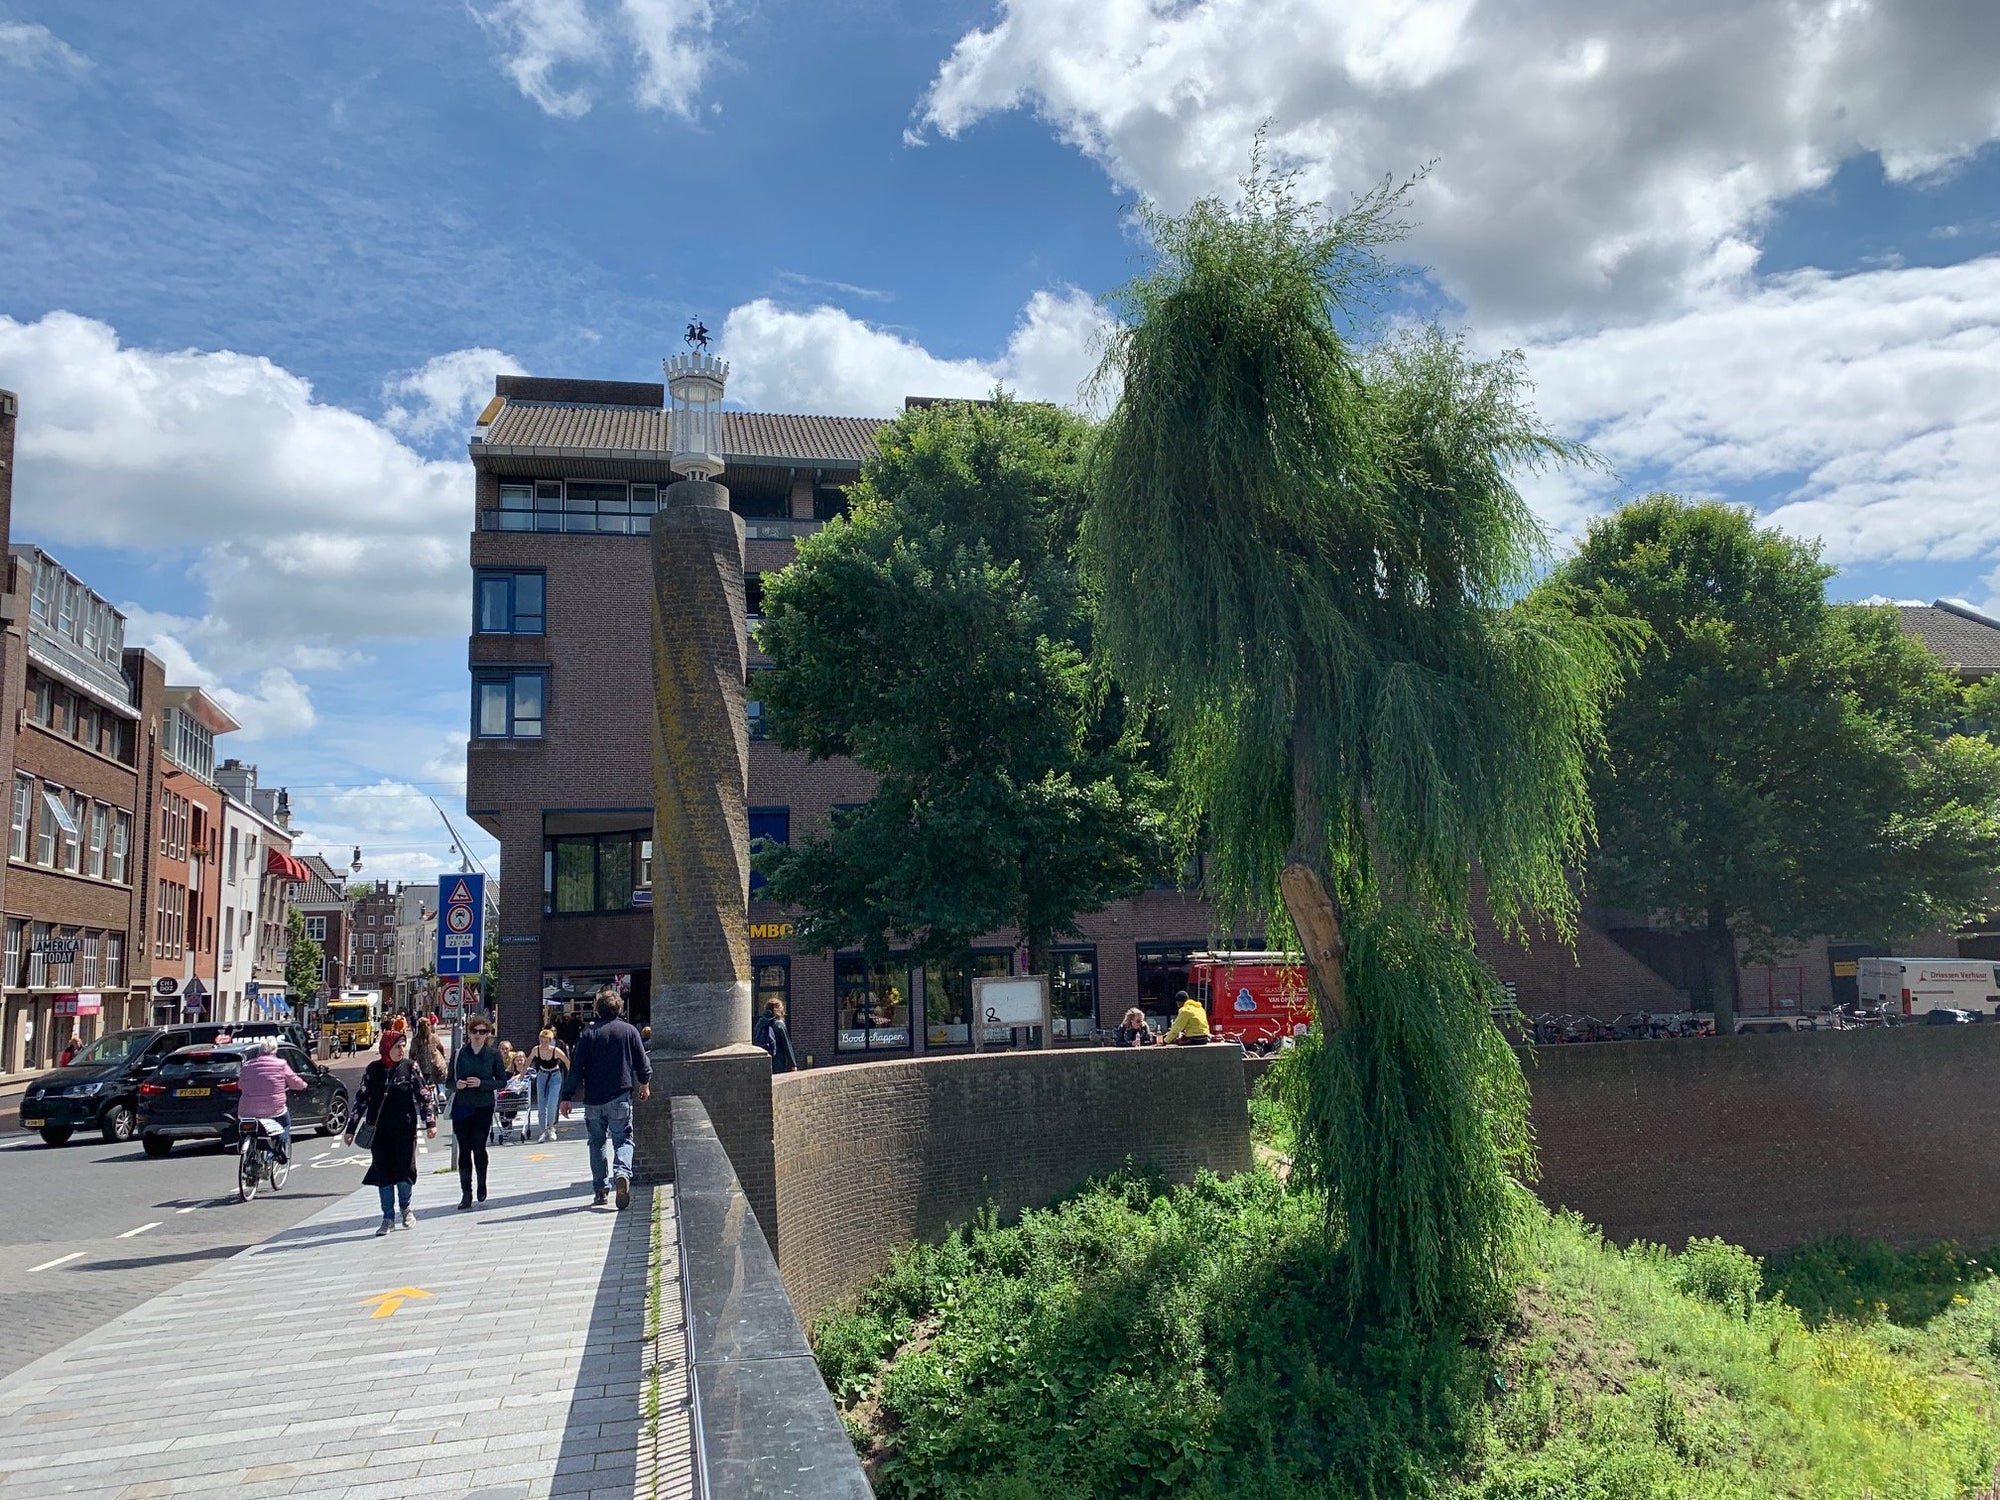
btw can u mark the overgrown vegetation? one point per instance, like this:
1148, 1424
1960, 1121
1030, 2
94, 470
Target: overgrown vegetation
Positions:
1148, 1343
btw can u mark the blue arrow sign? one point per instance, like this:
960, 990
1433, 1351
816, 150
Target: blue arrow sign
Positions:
461, 928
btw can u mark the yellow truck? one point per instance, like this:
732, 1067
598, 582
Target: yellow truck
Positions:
354, 1016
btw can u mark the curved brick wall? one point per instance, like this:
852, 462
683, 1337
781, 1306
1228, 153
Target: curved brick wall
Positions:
881, 1154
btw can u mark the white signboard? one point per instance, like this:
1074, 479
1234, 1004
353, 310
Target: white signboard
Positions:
1013, 1001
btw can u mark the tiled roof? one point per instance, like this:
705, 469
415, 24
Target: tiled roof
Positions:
1966, 640
547, 428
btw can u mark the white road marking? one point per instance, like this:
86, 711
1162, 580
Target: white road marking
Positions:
189, 1209
140, 1230
60, 1260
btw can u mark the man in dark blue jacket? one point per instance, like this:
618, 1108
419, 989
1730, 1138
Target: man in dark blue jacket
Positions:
612, 1069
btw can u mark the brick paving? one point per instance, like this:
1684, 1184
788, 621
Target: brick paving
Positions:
521, 1375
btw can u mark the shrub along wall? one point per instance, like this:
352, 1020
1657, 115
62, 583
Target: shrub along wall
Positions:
869, 1158
1769, 1141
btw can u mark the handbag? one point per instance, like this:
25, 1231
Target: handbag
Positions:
364, 1133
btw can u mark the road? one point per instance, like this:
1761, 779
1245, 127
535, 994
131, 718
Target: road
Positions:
89, 1230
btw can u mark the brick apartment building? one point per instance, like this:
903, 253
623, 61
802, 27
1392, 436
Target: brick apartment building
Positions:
375, 916
568, 476
256, 868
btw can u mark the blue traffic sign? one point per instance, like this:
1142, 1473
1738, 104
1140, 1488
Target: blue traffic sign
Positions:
461, 945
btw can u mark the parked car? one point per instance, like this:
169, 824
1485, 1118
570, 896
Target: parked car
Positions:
1947, 1016
99, 1090
192, 1096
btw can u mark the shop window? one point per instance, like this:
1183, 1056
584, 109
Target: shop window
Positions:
508, 705
1073, 992
873, 1003
771, 825
594, 872
771, 979
509, 603
948, 997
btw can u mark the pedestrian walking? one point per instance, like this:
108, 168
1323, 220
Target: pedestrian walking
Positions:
69, 1051
550, 1063
775, 1037
611, 1070
427, 1052
475, 1073
391, 1100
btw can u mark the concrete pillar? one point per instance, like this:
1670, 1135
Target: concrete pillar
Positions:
701, 774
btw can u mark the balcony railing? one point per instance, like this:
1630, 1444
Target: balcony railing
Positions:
597, 523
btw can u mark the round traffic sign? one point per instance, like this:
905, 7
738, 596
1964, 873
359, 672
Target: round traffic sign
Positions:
459, 919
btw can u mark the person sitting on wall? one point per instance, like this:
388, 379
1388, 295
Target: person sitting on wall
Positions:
1190, 1028
1133, 1030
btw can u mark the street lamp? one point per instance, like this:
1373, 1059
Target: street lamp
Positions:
356, 866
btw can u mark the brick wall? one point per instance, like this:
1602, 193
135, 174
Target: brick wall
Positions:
870, 1158
1770, 1141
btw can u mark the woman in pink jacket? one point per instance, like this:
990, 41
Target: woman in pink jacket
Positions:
266, 1079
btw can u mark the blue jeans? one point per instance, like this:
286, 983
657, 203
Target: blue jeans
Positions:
548, 1096
392, 1193
610, 1125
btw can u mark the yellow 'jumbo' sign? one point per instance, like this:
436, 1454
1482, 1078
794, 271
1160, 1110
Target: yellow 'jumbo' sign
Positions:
770, 929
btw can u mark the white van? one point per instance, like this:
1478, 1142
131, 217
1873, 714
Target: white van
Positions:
1914, 986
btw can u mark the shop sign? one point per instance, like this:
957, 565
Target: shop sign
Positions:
79, 1005
771, 929
57, 950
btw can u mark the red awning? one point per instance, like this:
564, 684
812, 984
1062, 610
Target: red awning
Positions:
277, 862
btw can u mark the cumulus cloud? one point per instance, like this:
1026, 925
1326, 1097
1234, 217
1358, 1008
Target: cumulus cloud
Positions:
1599, 158
311, 526
27, 45
445, 393
562, 53
826, 360
274, 705
1867, 403
391, 821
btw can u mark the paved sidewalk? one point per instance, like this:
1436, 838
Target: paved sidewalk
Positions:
522, 1374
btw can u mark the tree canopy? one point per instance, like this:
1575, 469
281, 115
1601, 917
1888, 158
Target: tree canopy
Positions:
1312, 554
1778, 767
937, 636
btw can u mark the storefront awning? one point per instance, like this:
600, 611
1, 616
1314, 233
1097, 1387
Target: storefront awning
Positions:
277, 862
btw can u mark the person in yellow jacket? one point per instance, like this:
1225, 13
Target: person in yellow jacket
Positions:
1190, 1026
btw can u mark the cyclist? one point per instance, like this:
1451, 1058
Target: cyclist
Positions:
266, 1079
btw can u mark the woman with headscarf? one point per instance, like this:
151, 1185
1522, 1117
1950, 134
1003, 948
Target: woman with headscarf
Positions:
393, 1097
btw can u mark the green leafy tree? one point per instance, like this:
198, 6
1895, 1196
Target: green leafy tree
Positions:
937, 637
1311, 554
304, 958
1779, 767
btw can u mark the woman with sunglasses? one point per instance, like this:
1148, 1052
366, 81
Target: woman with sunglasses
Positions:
476, 1072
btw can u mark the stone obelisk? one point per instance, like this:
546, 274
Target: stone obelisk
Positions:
701, 743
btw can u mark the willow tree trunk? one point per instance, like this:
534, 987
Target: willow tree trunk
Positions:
1305, 883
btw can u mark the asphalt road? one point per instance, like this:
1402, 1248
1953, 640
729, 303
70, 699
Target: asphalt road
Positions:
89, 1230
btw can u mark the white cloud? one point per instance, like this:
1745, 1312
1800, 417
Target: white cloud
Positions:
274, 706
826, 360
391, 821
560, 53
1869, 402
27, 45
1594, 157
311, 527
446, 392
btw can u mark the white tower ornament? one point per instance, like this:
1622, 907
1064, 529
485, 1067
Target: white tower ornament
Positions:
695, 380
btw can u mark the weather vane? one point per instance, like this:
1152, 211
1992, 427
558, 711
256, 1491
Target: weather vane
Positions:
697, 334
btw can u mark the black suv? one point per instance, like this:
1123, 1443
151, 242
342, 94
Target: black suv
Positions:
99, 1090
192, 1097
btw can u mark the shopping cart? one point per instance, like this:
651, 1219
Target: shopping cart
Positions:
512, 1112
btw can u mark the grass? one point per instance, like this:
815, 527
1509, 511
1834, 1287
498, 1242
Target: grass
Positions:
1145, 1342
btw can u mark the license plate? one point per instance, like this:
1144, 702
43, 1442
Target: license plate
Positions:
191, 1093
28, 1124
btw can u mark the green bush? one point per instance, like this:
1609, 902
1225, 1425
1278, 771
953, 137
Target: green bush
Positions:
1719, 1272
1839, 1278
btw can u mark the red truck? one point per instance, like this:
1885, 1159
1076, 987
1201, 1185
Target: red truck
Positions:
1251, 997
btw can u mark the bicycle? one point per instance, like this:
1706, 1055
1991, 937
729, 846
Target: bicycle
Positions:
257, 1157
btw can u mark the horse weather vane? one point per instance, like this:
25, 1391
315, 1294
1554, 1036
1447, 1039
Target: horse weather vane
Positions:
697, 334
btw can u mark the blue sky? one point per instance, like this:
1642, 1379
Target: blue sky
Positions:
259, 264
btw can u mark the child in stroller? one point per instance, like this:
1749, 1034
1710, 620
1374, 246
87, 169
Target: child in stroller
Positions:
510, 1111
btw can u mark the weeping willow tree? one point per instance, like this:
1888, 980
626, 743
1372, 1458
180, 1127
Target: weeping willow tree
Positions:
1312, 554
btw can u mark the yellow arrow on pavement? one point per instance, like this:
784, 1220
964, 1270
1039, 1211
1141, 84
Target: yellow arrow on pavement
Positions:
539, 1156
388, 1302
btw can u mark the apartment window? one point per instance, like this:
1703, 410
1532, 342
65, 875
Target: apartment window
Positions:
38, 955
581, 505
190, 744
368, 941
124, 741
88, 724
948, 997
753, 596
79, 816
873, 1004
510, 603
93, 949
774, 826
67, 594
316, 929
232, 856
42, 606
173, 825
594, 872
24, 812
57, 832
100, 820
371, 919
508, 705
114, 959
17, 931
753, 706
368, 965
170, 924
121, 846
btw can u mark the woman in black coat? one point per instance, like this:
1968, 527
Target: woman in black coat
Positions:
394, 1095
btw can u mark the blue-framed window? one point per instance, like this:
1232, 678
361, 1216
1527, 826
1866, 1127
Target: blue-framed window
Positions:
753, 705
509, 703
772, 825
509, 602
